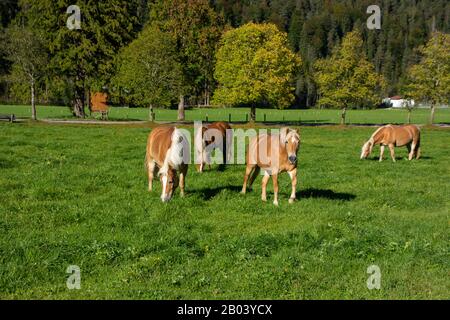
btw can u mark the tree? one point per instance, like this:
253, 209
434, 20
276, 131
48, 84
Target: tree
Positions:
255, 66
84, 56
195, 28
347, 78
149, 71
429, 80
27, 51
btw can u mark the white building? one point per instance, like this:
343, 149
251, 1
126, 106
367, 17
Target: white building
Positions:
398, 102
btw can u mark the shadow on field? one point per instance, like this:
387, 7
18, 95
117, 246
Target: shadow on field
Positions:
324, 193
398, 158
208, 194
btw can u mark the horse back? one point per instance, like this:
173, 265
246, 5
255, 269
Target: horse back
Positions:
406, 134
273, 157
158, 143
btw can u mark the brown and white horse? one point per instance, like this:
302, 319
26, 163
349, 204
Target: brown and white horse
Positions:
165, 156
274, 153
216, 135
394, 136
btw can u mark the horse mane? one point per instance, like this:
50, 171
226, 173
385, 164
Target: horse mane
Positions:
376, 134
175, 154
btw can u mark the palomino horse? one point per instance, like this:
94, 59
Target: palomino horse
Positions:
165, 147
394, 136
206, 142
280, 156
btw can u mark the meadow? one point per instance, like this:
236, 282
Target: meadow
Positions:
308, 116
76, 195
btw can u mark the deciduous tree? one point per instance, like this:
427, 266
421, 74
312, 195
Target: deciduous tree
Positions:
347, 79
429, 80
28, 53
196, 28
255, 66
149, 71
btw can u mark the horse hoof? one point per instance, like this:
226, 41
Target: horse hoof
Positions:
291, 200
275, 203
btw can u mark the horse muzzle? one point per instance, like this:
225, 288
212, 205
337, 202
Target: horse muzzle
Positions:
292, 159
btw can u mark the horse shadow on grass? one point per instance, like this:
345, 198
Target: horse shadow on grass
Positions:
399, 158
325, 194
208, 193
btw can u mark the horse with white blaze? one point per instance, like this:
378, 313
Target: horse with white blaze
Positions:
167, 154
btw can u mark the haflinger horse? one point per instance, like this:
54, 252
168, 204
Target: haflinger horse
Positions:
394, 136
212, 136
274, 153
165, 156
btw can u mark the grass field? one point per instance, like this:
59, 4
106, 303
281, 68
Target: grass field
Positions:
379, 116
76, 195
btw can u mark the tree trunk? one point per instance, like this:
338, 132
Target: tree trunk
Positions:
78, 102
432, 114
151, 115
33, 101
253, 113
344, 113
181, 109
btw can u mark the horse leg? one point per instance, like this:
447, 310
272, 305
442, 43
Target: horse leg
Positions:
293, 175
183, 172
275, 189
392, 148
417, 149
254, 176
151, 170
265, 180
248, 170
411, 149
381, 152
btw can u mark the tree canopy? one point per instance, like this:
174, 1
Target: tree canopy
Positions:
148, 70
196, 29
28, 53
347, 79
255, 66
85, 56
429, 80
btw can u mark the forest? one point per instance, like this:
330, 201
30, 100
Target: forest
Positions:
77, 62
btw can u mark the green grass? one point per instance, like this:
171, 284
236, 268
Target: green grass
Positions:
419, 116
76, 195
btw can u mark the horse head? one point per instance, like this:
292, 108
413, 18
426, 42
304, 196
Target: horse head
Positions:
290, 138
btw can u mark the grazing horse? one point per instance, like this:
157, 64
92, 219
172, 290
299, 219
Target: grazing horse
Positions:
280, 155
394, 136
165, 147
206, 142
